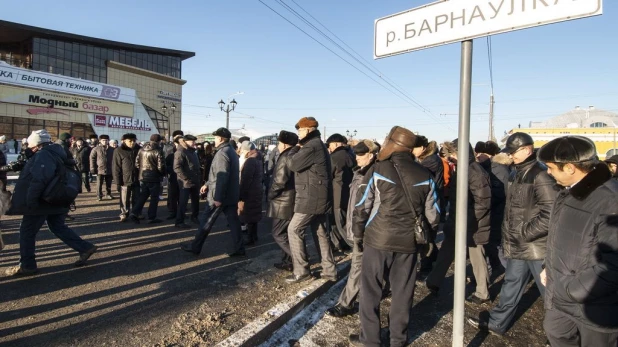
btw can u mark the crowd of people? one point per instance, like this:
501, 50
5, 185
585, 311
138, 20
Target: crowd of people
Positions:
548, 213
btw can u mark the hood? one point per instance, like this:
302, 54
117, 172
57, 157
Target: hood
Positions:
431, 149
502, 158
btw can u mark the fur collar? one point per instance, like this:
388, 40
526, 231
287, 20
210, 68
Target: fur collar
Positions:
363, 170
593, 180
312, 135
502, 158
340, 148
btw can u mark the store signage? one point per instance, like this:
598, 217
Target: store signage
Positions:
169, 96
43, 80
26, 96
45, 110
101, 120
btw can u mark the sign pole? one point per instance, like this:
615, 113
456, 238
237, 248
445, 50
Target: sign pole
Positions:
463, 153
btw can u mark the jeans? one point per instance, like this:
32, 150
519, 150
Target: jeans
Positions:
30, 226
146, 190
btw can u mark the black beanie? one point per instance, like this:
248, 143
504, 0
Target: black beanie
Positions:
155, 137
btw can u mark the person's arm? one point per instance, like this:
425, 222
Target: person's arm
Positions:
93, 161
302, 159
362, 210
545, 192
117, 169
281, 176
43, 171
480, 189
179, 166
222, 176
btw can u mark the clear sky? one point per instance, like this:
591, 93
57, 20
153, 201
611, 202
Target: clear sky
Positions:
243, 46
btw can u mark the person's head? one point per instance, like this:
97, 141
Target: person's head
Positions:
222, 135
113, 143
156, 138
305, 126
399, 139
104, 140
243, 139
612, 163
129, 140
190, 140
177, 133
246, 148
79, 143
569, 158
208, 148
38, 139
65, 137
286, 140
2, 139
519, 146
421, 144
365, 151
335, 141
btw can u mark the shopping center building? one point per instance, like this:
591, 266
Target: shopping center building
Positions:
83, 85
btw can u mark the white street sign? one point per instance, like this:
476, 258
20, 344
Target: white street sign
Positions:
445, 22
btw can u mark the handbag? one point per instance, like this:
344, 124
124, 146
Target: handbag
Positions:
422, 231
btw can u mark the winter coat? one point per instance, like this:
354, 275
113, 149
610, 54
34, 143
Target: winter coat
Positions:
81, 155
498, 170
150, 163
355, 186
342, 164
4, 148
312, 176
251, 192
530, 197
282, 191
582, 252
2, 163
186, 166
123, 165
169, 167
223, 179
66, 147
101, 160
383, 215
432, 161
37, 174
205, 163
479, 204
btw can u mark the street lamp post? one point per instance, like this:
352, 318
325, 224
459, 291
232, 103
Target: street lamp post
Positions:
165, 110
350, 134
227, 108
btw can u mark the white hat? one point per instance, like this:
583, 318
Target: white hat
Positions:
38, 137
3, 138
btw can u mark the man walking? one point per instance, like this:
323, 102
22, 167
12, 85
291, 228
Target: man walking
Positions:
39, 172
581, 265
222, 190
101, 165
126, 175
187, 169
151, 167
313, 180
173, 192
530, 196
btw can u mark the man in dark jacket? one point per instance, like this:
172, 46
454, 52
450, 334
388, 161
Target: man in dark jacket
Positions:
223, 190
126, 174
173, 191
187, 169
151, 168
581, 265
81, 154
530, 196
101, 165
38, 173
398, 191
313, 180
64, 140
281, 196
479, 207
612, 163
365, 154
251, 191
342, 164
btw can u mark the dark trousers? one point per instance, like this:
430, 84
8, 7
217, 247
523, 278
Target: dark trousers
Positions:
280, 234
352, 287
564, 331
108, 185
128, 199
86, 179
30, 226
208, 218
148, 190
338, 236
296, 232
400, 270
173, 194
183, 200
516, 278
427, 260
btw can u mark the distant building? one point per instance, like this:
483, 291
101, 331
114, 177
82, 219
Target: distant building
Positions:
598, 125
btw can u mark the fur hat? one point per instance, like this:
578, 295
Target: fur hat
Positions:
155, 137
38, 137
104, 137
421, 141
613, 159
288, 138
398, 140
113, 141
178, 132
307, 122
223, 132
365, 146
480, 147
189, 138
129, 136
177, 137
243, 139
337, 138
568, 149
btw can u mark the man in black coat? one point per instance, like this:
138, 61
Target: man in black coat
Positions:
81, 154
281, 196
187, 169
151, 168
313, 180
101, 158
173, 191
126, 174
612, 163
581, 265
530, 196
396, 192
341, 167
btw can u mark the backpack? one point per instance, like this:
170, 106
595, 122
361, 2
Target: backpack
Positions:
64, 187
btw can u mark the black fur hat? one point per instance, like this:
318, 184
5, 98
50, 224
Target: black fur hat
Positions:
177, 132
421, 141
104, 137
568, 149
128, 136
337, 138
288, 138
243, 139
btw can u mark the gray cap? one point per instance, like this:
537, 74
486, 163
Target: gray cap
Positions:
568, 149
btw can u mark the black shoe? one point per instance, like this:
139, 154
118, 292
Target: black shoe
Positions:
187, 248
297, 279
475, 300
182, 226
328, 278
88, 190
355, 341
433, 289
240, 253
83, 257
483, 325
171, 216
339, 311
154, 221
194, 220
249, 242
134, 219
141, 217
284, 266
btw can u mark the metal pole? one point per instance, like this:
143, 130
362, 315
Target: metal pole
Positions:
614, 149
227, 117
462, 193
491, 117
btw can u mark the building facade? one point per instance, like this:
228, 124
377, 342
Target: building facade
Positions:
82, 85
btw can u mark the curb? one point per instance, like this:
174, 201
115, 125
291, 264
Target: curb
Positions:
270, 321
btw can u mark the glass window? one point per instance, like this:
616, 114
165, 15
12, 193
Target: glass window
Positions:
67, 65
75, 56
97, 52
44, 41
35, 46
99, 62
44, 49
83, 58
82, 69
60, 52
83, 49
60, 44
159, 59
90, 69
90, 50
43, 60
37, 40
